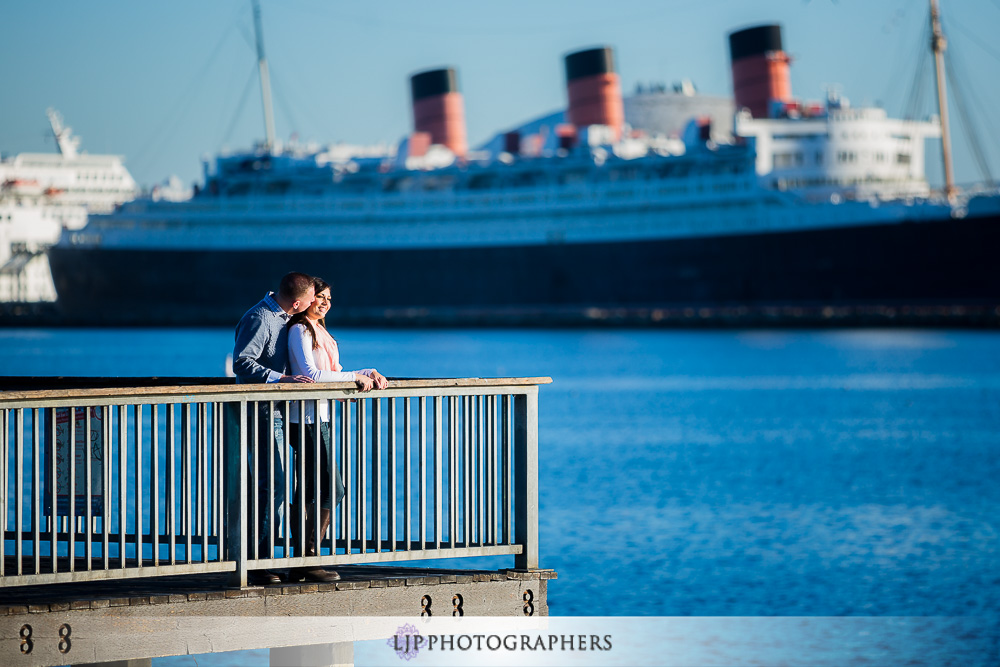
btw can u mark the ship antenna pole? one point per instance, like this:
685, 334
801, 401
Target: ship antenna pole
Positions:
938, 46
265, 77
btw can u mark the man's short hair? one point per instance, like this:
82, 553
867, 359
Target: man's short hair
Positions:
294, 286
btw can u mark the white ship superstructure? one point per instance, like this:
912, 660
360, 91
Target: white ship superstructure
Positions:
41, 194
860, 153
806, 167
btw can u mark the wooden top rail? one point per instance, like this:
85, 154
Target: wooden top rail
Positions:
13, 389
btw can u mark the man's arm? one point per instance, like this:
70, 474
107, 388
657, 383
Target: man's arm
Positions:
251, 338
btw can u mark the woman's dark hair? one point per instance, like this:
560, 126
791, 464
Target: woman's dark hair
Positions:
300, 318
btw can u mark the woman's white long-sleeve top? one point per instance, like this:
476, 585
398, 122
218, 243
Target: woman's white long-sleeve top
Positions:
303, 362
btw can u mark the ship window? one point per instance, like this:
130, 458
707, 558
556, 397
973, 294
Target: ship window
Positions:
902, 158
439, 182
526, 179
278, 187
237, 189
623, 174
357, 183
482, 181
571, 176
819, 157
785, 160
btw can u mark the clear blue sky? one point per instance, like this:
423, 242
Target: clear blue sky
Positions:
161, 83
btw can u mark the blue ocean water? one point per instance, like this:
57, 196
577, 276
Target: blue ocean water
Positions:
706, 473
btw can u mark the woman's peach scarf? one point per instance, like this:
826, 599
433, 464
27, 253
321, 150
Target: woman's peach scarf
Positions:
327, 354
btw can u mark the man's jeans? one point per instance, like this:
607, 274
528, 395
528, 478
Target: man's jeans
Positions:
268, 450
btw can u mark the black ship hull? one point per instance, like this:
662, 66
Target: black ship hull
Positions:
913, 272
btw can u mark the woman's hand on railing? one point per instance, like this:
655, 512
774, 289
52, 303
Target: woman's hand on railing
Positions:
379, 379
364, 382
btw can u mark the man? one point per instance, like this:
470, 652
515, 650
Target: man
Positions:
261, 355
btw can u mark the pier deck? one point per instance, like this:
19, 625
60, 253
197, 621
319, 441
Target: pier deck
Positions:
136, 620
363, 590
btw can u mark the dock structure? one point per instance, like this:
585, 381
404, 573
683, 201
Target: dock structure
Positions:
132, 500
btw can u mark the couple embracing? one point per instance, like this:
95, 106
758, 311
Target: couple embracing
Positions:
284, 339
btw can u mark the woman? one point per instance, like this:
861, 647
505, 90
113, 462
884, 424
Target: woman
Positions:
313, 352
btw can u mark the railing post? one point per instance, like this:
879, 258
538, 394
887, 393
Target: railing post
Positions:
526, 482
236, 490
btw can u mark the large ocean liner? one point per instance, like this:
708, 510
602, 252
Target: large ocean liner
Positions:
605, 211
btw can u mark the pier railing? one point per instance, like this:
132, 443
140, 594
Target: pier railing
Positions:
109, 482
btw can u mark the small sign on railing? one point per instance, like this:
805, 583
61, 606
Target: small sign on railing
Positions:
85, 444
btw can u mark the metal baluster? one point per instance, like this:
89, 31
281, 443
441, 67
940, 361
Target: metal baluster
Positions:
467, 470
211, 507
480, 468
88, 446
186, 477
137, 418
196, 472
407, 509
35, 490
122, 481
391, 474
254, 463
53, 497
332, 475
345, 467
422, 467
300, 459
203, 482
18, 486
495, 434
154, 481
473, 463
362, 475
505, 465
377, 473
437, 472
286, 471
238, 483
453, 470
71, 521
106, 487
492, 476
218, 497
4, 472
486, 466
170, 486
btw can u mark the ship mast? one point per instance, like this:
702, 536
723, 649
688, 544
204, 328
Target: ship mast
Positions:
265, 78
938, 46
68, 144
